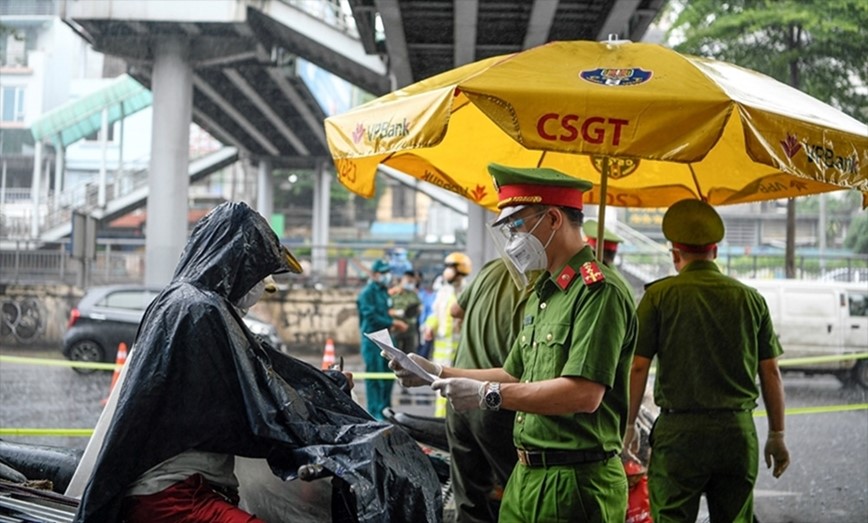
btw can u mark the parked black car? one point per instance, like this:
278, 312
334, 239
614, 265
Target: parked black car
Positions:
110, 315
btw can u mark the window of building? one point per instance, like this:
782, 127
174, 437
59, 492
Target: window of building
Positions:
95, 136
403, 202
12, 104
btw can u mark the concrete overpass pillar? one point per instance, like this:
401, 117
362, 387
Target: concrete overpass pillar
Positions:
480, 247
321, 211
166, 228
265, 190
36, 189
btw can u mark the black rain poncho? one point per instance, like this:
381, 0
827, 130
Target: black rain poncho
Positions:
198, 379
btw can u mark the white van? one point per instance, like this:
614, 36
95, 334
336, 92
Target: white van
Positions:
820, 318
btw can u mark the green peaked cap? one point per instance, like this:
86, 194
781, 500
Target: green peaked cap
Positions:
590, 230
692, 222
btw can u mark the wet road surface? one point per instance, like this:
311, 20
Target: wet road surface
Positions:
827, 480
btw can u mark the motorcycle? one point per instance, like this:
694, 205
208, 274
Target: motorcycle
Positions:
36, 477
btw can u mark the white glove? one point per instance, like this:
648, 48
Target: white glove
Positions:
407, 378
631, 439
463, 393
776, 450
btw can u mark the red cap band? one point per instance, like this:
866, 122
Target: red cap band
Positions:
607, 245
529, 194
693, 248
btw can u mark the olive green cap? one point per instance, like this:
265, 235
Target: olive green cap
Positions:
692, 223
518, 187
590, 230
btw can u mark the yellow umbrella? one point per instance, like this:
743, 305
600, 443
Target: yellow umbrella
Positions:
663, 126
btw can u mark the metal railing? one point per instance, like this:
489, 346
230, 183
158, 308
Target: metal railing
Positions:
122, 261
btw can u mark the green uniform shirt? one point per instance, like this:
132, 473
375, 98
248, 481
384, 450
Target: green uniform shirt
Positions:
709, 333
408, 301
487, 337
576, 328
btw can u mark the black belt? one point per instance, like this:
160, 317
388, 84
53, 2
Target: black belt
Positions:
703, 411
550, 458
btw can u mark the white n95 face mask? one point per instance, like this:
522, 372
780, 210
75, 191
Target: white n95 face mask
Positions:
526, 252
252, 296
523, 254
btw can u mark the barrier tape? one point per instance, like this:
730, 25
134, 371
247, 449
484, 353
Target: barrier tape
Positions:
61, 432
59, 363
791, 362
75, 433
757, 414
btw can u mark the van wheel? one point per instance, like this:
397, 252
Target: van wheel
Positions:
860, 373
86, 350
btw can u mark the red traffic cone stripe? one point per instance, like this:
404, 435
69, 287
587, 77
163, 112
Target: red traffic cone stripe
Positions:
119, 362
328, 356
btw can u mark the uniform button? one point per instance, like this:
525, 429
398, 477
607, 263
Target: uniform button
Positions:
527, 381
534, 345
523, 339
542, 305
549, 337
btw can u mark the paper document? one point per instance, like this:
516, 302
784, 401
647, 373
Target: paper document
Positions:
384, 341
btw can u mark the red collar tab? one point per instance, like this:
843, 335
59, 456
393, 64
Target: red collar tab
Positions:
591, 273
694, 248
565, 278
524, 194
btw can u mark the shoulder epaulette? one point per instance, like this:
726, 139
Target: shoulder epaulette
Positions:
591, 273
649, 284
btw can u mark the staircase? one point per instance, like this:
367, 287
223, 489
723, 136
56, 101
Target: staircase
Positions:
128, 191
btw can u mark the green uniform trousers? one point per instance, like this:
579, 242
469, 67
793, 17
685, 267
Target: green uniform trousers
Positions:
483, 457
716, 453
587, 493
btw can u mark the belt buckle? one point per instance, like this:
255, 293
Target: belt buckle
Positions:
522, 457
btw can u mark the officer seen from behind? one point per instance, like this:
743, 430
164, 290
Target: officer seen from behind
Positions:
711, 336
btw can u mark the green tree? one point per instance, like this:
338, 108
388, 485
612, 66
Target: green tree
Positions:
296, 198
857, 234
817, 46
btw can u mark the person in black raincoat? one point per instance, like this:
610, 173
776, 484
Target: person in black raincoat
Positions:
199, 380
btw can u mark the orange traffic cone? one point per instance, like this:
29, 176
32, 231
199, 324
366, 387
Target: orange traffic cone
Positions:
328, 356
119, 362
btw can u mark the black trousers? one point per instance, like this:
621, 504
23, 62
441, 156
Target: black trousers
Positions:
483, 456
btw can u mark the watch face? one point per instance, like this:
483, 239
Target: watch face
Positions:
492, 399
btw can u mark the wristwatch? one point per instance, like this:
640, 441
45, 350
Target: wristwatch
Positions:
492, 398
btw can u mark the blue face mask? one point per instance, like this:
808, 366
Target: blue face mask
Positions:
409, 287
386, 279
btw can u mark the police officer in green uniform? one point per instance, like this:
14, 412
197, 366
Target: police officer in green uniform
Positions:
567, 373
711, 335
610, 241
491, 309
609, 245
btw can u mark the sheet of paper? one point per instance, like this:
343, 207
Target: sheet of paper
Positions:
384, 341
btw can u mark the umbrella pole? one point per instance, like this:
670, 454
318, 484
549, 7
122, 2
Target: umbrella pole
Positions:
601, 212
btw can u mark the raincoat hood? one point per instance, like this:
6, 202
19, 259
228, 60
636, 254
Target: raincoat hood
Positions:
197, 378
230, 250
